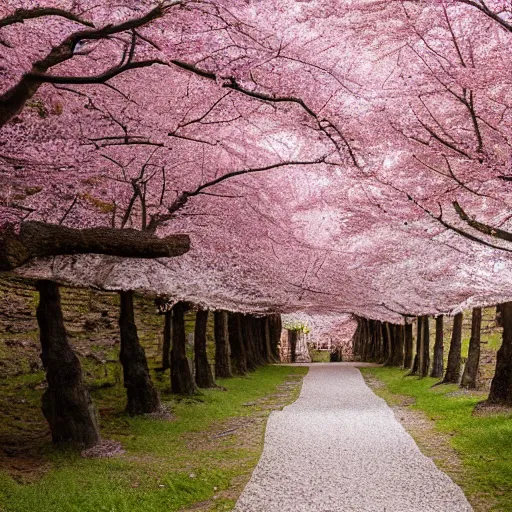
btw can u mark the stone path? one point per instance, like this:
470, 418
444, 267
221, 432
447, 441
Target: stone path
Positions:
339, 448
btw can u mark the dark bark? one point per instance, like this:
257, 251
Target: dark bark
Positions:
182, 382
66, 404
142, 395
166, 347
397, 345
236, 344
265, 326
275, 329
452, 374
222, 362
37, 240
424, 361
387, 334
501, 386
470, 375
416, 361
438, 361
252, 356
408, 349
204, 376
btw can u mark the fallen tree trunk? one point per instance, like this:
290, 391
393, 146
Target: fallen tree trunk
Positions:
39, 240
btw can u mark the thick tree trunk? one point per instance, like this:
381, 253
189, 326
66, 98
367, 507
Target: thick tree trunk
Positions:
37, 240
470, 375
501, 386
142, 396
182, 382
252, 357
397, 345
424, 361
408, 356
204, 376
222, 362
67, 405
387, 335
166, 348
438, 363
292, 340
452, 374
238, 353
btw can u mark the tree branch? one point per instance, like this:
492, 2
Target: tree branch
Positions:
20, 15
39, 240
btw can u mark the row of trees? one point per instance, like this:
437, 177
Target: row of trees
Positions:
395, 345
242, 344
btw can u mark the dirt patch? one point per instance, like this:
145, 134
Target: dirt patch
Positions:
489, 409
104, 449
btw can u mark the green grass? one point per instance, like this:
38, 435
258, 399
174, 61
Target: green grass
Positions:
167, 465
483, 443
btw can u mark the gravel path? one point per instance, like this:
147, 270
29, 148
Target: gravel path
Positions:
340, 448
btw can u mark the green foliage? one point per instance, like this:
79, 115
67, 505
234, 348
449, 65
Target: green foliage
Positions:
483, 442
320, 356
296, 325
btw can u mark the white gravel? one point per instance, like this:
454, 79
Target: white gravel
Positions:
340, 448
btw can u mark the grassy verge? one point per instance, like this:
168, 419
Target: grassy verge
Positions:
483, 443
201, 459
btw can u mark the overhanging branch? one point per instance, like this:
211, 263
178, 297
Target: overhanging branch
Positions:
39, 240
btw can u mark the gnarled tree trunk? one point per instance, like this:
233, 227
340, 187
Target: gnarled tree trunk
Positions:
501, 386
222, 363
182, 382
204, 376
238, 353
438, 363
142, 396
452, 374
470, 375
67, 405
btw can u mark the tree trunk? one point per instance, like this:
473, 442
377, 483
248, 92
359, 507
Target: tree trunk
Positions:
416, 362
397, 343
452, 374
248, 341
204, 377
470, 375
501, 386
292, 340
166, 348
238, 353
267, 339
275, 328
388, 346
38, 239
424, 362
222, 363
142, 396
66, 404
182, 382
438, 363
408, 357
